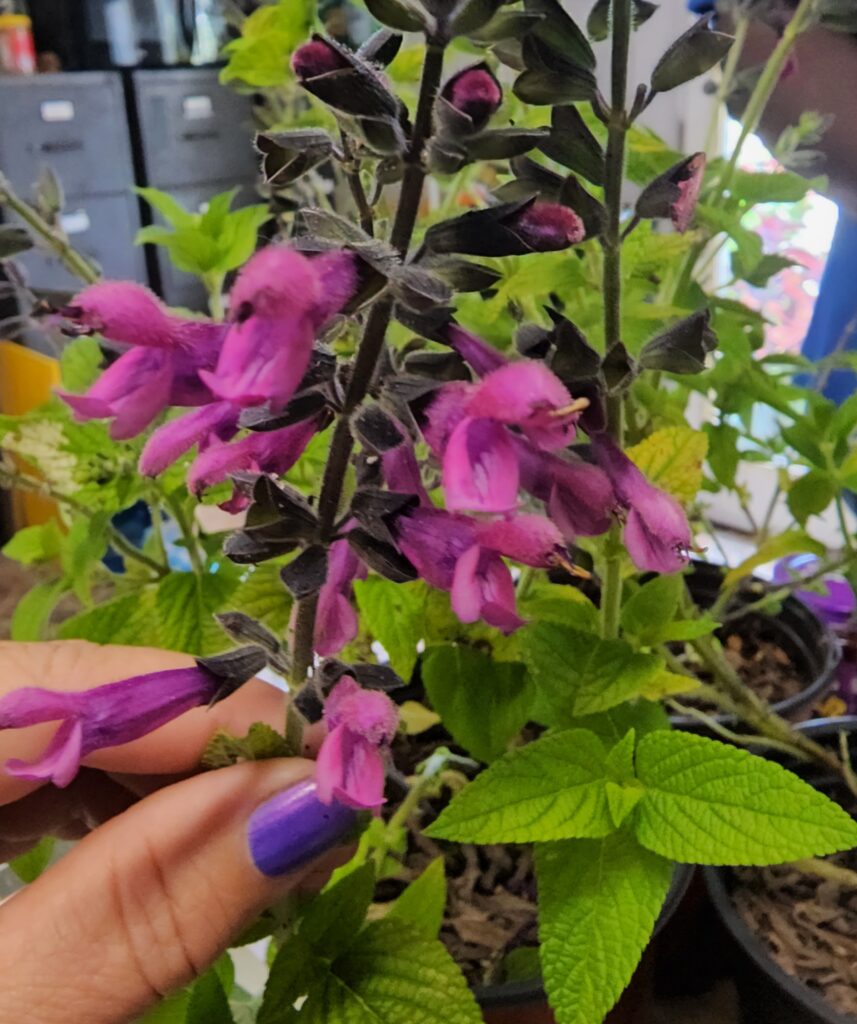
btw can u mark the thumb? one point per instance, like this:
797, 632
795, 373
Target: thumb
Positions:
149, 900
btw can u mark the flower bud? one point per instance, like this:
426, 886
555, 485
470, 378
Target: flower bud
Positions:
474, 92
674, 193
548, 227
317, 57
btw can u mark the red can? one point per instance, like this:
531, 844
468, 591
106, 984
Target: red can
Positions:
17, 52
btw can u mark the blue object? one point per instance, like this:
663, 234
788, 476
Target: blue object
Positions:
835, 312
701, 6
134, 524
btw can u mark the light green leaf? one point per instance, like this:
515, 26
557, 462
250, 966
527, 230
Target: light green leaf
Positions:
667, 684
393, 974
811, 494
643, 716
763, 187
648, 611
80, 364
393, 614
34, 544
260, 744
423, 902
483, 703
185, 604
553, 788
263, 596
31, 864
689, 629
598, 903
553, 602
171, 1011
83, 547
131, 619
169, 208
709, 803
791, 542
579, 673
208, 1003
294, 970
32, 613
672, 459
723, 452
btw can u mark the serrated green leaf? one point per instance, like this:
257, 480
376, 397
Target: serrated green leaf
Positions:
31, 864
724, 455
646, 613
393, 974
169, 208
333, 919
423, 903
208, 1003
672, 459
393, 614
80, 364
33, 611
170, 1011
598, 903
643, 716
131, 619
554, 602
483, 703
709, 803
263, 596
294, 971
34, 544
83, 547
579, 673
792, 542
553, 788
185, 604
260, 744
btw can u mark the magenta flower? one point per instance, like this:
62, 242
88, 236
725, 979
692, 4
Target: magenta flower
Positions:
215, 422
528, 538
548, 227
351, 763
480, 467
657, 534
579, 496
401, 471
317, 57
160, 370
484, 358
274, 451
280, 300
336, 620
474, 92
482, 588
434, 540
689, 182
445, 411
106, 716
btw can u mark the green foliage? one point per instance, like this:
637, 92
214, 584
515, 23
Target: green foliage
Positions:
672, 458
32, 613
260, 744
208, 1003
34, 544
269, 36
207, 244
553, 788
710, 803
598, 903
393, 614
80, 364
579, 673
811, 494
792, 542
31, 864
423, 902
483, 703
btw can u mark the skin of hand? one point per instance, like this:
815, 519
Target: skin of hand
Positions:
163, 879
824, 81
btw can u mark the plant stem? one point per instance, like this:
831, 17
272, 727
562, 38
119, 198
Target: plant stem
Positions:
186, 528
729, 735
351, 169
827, 871
611, 242
53, 238
371, 345
214, 286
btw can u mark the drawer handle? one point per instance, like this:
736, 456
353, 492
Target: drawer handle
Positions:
62, 147
200, 136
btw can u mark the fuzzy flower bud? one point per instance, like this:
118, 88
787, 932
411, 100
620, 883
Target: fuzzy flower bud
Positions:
549, 227
474, 92
317, 57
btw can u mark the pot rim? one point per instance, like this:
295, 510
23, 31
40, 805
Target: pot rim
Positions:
516, 993
751, 944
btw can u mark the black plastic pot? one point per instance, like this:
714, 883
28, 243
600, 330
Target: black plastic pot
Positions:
812, 647
525, 1001
768, 995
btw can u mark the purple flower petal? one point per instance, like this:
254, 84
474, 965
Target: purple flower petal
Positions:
531, 539
447, 409
60, 760
484, 358
173, 439
483, 589
480, 468
434, 540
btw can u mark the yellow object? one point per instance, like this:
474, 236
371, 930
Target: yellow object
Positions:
26, 380
14, 21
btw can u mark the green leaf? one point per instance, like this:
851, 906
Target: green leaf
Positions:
647, 612
170, 1011
598, 903
31, 864
80, 364
423, 903
792, 542
83, 547
169, 208
579, 673
643, 716
34, 544
208, 1003
260, 744
811, 494
185, 604
763, 187
554, 602
723, 453
691, 55
705, 802
262, 596
672, 459
553, 788
392, 975
131, 619
33, 611
393, 614
294, 970
333, 919
483, 703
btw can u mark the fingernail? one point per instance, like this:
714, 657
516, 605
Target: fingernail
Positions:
295, 827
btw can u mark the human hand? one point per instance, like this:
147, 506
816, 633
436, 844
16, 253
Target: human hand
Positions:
165, 879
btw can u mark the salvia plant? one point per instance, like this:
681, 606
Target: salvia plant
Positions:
455, 426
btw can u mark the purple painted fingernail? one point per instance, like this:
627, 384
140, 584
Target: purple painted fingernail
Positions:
294, 827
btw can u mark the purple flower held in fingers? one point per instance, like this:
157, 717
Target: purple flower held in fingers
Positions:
106, 716
474, 92
657, 534
351, 763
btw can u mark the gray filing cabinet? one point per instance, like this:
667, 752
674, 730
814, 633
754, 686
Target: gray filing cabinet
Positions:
197, 140
76, 124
